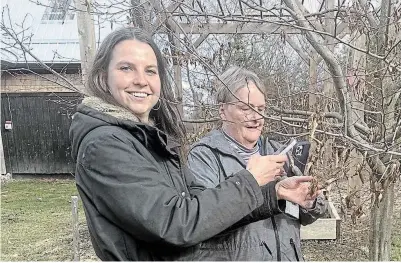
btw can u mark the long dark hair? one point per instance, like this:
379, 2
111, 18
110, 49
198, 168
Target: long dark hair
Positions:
166, 115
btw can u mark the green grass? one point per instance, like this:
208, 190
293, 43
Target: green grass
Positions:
36, 220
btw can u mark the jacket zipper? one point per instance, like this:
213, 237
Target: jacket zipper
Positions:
268, 249
277, 239
295, 249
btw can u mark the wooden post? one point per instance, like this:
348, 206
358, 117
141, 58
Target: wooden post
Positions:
86, 32
2, 160
75, 227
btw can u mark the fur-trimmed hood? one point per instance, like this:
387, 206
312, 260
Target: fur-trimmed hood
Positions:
110, 109
93, 112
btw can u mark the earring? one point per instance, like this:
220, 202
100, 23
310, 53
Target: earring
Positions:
158, 105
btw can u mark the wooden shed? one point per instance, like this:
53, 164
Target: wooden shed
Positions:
35, 118
35, 132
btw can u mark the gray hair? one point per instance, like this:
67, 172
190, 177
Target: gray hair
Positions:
234, 79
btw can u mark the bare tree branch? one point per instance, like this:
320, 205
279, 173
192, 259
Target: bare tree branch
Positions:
9, 32
373, 22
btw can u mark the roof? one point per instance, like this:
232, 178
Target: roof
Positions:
50, 36
66, 67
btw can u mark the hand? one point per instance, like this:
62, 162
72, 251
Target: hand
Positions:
310, 201
297, 190
265, 168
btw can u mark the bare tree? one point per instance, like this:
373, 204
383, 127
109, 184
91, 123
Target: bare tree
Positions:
384, 166
333, 75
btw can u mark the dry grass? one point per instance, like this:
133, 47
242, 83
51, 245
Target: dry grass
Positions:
36, 226
36, 220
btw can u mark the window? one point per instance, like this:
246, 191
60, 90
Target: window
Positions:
58, 11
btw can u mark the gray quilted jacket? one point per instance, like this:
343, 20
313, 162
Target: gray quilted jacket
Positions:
212, 160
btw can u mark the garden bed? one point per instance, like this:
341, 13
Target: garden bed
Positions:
324, 228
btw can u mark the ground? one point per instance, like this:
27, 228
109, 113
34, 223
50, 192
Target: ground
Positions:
36, 226
353, 242
36, 221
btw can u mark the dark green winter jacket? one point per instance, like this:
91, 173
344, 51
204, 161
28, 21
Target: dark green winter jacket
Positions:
135, 195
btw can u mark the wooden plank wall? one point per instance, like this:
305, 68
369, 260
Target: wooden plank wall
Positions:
38, 142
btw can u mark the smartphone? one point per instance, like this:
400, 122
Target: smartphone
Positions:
301, 154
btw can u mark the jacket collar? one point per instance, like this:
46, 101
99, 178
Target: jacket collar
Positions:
216, 141
112, 110
122, 117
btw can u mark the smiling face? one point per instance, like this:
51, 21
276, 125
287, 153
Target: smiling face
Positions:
239, 120
133, 78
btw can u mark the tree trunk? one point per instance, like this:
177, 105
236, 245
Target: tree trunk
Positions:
382, 183
178, 83
328, 87
175, 45
356, 84
381, 222
137, 14
86, 32
312, 83
382, 203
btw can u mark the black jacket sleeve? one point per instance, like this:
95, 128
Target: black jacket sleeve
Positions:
270, 207
308, 216
133, 193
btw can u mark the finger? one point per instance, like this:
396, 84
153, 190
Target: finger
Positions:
279, 150
314, 196
253, 157
309, 204
278, 166
276, 158
306, 203
317, 193
303, 179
